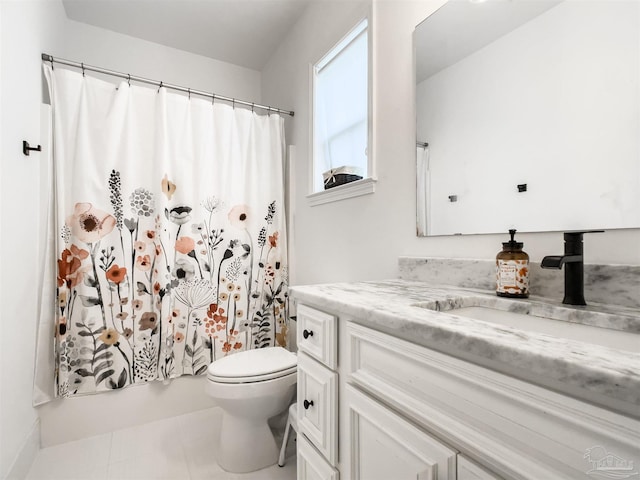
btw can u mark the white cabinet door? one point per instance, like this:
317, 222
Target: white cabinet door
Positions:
318, 406
467, 470
311, 465
385, 446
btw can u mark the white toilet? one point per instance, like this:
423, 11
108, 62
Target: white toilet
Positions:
251, 387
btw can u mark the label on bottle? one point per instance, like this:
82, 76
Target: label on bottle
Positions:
512, 277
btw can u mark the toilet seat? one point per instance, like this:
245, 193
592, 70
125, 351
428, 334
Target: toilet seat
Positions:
253, 366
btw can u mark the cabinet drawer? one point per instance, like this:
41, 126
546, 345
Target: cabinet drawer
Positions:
317, 335
311, 465
467, 470
317, 406
383, 445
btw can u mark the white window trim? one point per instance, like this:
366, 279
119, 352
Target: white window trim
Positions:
367, 184
342, 44
341, 192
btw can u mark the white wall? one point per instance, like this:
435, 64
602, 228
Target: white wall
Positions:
20, 110
104, 48
3, 461
361, 238
29, 28
322, 232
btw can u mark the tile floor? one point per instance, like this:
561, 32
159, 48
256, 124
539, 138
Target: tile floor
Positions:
178, 448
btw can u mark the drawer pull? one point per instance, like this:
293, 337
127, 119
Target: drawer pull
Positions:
307, 333
307, 404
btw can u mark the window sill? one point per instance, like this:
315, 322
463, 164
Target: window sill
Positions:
335, 194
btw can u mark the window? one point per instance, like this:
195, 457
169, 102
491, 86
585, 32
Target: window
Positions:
341, 115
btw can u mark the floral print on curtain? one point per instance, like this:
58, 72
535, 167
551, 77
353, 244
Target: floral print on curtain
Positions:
150, 286
130, 311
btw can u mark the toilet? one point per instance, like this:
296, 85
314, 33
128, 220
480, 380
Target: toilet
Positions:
251, 387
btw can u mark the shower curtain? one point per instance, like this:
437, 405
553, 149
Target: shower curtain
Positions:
170, 242
423, 189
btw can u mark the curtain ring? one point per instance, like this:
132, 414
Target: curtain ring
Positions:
252, 106
233, 103
189, 92
51, 61
213, 98
82, 65
160, 86
129, 79
269, 110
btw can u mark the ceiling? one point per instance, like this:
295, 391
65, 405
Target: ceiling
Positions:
242, 32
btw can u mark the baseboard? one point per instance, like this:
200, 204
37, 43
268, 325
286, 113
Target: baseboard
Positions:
26, 455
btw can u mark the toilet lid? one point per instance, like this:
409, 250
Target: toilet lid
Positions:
253, 366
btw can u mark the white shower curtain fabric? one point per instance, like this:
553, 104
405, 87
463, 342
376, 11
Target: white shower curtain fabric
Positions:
423, 189
170, 234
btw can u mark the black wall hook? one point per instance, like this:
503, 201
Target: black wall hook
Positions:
47, 58
26, 148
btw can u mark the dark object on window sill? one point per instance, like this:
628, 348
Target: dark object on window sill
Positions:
341, 179
340, 176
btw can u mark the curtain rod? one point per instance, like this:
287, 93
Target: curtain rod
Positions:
49, 58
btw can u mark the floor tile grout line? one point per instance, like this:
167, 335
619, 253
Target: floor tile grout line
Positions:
165, 422
184, 453
109, 456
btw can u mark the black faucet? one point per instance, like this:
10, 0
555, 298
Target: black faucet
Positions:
574, 270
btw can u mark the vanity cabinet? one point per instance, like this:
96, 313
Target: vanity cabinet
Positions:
311, 465
378, 444
385, 408
383, 445
514, 429
317, 394
467, 470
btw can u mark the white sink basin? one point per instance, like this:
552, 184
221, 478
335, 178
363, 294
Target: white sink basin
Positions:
616, 328
617, 339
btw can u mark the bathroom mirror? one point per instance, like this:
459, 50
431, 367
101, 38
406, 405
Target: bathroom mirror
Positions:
531, 113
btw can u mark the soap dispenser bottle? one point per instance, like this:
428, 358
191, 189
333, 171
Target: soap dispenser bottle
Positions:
512, 270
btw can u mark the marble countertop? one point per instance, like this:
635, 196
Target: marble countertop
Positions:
603, 376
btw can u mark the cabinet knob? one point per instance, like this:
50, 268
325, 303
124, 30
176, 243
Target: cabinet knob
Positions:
307, 404
307, 333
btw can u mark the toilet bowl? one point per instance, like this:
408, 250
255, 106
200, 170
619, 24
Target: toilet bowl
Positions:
251, 387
